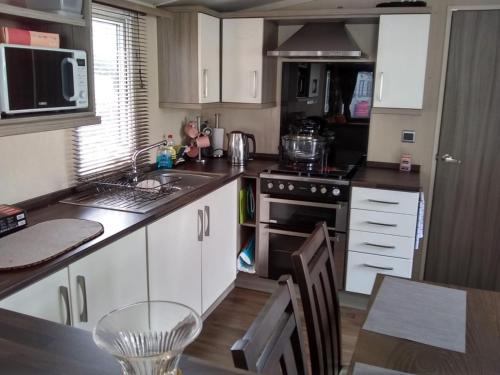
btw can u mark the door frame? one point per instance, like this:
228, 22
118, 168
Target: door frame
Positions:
439, 117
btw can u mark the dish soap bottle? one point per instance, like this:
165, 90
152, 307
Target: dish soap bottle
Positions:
171, 149
163, 157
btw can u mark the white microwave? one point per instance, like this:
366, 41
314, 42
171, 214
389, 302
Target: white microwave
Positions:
36, 79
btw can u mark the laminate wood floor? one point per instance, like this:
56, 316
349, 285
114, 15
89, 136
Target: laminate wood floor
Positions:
235, 314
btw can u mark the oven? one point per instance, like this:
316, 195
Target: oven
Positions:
289, 212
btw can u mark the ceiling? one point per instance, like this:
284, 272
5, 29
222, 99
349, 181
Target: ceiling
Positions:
231, 5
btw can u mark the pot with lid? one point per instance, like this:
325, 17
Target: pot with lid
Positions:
303, 148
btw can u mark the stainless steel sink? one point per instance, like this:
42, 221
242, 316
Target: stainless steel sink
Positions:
152, 190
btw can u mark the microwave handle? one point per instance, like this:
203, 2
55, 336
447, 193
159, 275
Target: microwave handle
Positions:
69, 60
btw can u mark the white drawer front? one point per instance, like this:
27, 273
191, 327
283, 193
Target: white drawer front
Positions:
361, 270
381, 244
383, 222
400, 202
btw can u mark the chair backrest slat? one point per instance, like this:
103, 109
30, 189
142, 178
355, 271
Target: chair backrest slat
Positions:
315, 274
273, 344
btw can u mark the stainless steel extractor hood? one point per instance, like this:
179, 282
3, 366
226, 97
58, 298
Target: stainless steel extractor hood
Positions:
319, 40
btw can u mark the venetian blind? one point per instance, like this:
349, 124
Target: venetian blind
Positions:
120, 78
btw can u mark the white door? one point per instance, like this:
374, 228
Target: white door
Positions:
174, 257
46, 299
208, 58
112, 277
242, 58
401, 61
219, 243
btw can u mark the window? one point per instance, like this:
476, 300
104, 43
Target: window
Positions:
120, 94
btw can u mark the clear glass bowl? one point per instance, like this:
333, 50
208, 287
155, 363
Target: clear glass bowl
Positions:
148, 337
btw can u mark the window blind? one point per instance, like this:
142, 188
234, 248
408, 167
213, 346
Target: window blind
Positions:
120, 79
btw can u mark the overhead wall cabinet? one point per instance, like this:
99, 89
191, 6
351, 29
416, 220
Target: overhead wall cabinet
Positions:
80, 294
75, 33
189, 60
401, 61
248, 75
192, 252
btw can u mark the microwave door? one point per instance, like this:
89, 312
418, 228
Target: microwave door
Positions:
55, 86
20, 79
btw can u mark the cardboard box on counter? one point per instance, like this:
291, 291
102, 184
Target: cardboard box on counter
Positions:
13, 35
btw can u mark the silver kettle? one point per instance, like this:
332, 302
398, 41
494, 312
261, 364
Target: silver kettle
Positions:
237, 147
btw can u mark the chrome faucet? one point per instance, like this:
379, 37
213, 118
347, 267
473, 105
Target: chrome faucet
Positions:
135, 155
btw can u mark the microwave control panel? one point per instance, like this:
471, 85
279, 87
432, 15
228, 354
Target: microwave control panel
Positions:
81, 79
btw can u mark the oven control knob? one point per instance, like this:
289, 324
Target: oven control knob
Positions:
323, 190
291, 187
336, 192
270, 185
314, 189
281, 186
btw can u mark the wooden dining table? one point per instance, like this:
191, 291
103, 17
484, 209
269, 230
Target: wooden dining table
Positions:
482, 339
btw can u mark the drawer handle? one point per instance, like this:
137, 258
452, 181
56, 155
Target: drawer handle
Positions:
379, 245
384, 202
382, 224
63, 291
378, 267
80, 282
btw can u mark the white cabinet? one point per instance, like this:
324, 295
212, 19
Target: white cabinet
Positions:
208, 58
112, 277
248, 75
382, 229
401, 61
192, 252
46, 299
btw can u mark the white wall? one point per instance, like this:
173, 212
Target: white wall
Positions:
36, 164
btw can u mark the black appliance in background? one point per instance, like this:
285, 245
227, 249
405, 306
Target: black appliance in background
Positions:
316, 100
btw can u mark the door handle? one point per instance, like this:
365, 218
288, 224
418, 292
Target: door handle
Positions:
205, 83
80, 282
200, 225
381, 87
65, 80
447, 158
254, 83
207, 218
63, 292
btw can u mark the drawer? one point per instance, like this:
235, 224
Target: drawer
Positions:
400, 202
363, 268
383, 222
381, 244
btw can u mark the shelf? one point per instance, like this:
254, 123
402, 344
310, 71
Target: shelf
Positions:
248, 224
36, 124
12, 10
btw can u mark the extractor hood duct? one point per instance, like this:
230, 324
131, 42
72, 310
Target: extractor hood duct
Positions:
319, 40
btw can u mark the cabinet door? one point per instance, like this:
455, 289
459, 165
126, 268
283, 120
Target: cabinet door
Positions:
46, 299
242, 58
401, 61
208, 58
174, 253
112, 277
219, 243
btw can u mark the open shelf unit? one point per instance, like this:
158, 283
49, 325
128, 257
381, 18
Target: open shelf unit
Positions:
75, 33
248, 228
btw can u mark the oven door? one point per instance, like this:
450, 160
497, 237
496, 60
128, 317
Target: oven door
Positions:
302, 216
276, 246
38, 80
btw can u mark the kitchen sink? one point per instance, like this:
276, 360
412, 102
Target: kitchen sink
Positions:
151, 190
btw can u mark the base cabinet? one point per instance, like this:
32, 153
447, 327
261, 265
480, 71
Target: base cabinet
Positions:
192, 251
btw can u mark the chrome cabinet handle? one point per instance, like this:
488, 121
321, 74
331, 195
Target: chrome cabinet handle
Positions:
207, 218
381, 87
447, 158
384, 202
255, 83
80, 282
378, 267
64, 293
205, 80
200, 225
379, 245
382, 224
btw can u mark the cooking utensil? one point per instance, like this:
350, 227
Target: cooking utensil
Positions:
301, 148
238, 150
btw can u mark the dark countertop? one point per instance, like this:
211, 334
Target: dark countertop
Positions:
116, 224
34, 346
386, 178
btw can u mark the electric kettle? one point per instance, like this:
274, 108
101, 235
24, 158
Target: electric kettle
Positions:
237, 147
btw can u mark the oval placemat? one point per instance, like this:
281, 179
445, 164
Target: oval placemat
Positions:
44, 241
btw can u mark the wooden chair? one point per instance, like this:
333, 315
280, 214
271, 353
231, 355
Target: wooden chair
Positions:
273, 344
315, 275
